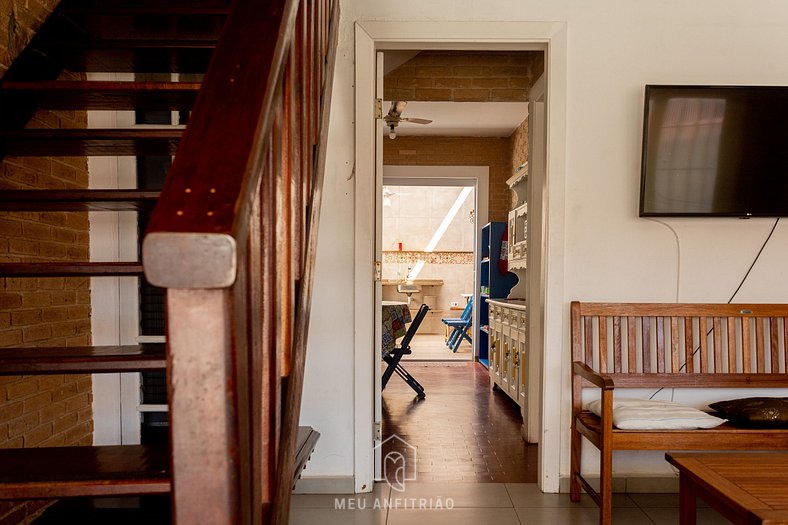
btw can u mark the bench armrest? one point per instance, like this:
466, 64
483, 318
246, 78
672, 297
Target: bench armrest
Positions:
603, 381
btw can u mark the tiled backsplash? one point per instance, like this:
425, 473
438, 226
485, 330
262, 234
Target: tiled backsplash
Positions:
412, 257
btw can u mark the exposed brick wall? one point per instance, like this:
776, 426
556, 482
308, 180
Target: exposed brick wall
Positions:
465, 76
19, 20
459, 151
51, 410
519, 145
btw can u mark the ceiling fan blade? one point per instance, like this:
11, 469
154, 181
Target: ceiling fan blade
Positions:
416, 120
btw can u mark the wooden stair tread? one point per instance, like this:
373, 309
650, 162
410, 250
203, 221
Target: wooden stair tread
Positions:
77, 200
132, 44
70, 269
101, 95
83, 142
82, 359
305, 444
83, 471
136, 23
150, 6
122, 56
135, 8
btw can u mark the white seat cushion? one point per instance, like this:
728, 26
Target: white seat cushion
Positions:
646, 414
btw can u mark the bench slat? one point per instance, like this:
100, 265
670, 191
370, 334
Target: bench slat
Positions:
760, 349
603, 345
774, 343
746, 360
723, 437
731, 345
689, 353
785, 343
631, 348
698, 380
674, 344
717, 327
703, 334
683, 309
589, 331
617, 344
646, 345
660, 345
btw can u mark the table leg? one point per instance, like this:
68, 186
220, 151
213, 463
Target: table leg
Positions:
687, 500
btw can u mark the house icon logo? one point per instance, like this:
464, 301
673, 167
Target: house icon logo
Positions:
399, 461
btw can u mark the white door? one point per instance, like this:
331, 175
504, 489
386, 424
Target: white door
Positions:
379, 128
536, 191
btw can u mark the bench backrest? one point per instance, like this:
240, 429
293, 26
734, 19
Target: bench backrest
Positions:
683, 344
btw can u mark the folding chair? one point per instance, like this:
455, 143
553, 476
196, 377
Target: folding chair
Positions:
460, 327
393, 358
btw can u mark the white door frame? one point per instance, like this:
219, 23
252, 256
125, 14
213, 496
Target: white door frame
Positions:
551, 37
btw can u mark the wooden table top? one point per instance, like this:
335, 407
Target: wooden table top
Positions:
755, 482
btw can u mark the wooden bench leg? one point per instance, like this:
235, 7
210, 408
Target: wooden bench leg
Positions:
574, 472
606, 486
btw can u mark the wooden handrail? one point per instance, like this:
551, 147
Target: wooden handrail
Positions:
207, 198
233, 240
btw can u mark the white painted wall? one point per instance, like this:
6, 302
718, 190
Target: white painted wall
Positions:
615, 47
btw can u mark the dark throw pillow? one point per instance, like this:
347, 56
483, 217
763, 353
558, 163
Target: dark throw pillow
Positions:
754, 412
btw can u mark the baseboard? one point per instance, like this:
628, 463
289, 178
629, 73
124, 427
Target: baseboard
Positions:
325, 485
632, 484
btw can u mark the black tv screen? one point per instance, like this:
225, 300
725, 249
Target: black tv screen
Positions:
715, 151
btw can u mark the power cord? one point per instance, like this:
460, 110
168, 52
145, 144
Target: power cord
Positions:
678, 252
747, 274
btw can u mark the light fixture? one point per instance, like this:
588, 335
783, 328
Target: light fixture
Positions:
392, 131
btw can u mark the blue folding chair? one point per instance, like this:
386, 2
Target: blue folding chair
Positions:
460, 327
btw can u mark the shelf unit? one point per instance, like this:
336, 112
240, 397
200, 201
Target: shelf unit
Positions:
492, 283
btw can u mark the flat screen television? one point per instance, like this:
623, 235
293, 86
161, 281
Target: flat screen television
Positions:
715, 151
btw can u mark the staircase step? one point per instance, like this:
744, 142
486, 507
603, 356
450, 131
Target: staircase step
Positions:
77, 200
83, 471
83, 142
70, 269
129, 55
128, 510
100, 95
149, 6
306, 438
82, 359
139, 23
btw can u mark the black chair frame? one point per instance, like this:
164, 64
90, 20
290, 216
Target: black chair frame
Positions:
393, 358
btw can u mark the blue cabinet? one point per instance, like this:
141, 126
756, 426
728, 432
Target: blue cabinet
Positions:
493, 283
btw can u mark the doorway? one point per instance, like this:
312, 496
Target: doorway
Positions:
550, 37
430, 222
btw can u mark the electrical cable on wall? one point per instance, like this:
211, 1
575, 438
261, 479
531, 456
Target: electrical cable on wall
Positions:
741, 283
678, 253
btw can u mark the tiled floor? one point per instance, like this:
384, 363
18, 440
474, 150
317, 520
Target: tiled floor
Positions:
462, 430
483, 504
472, 466
432, 347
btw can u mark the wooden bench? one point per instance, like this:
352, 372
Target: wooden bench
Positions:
628, 345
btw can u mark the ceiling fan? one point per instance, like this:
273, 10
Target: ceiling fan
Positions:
394, 117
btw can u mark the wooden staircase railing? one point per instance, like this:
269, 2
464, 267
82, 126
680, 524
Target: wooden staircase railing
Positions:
231, 241
232, 238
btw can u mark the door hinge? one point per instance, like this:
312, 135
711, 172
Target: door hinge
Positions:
378, 108
378, 431
378, 275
